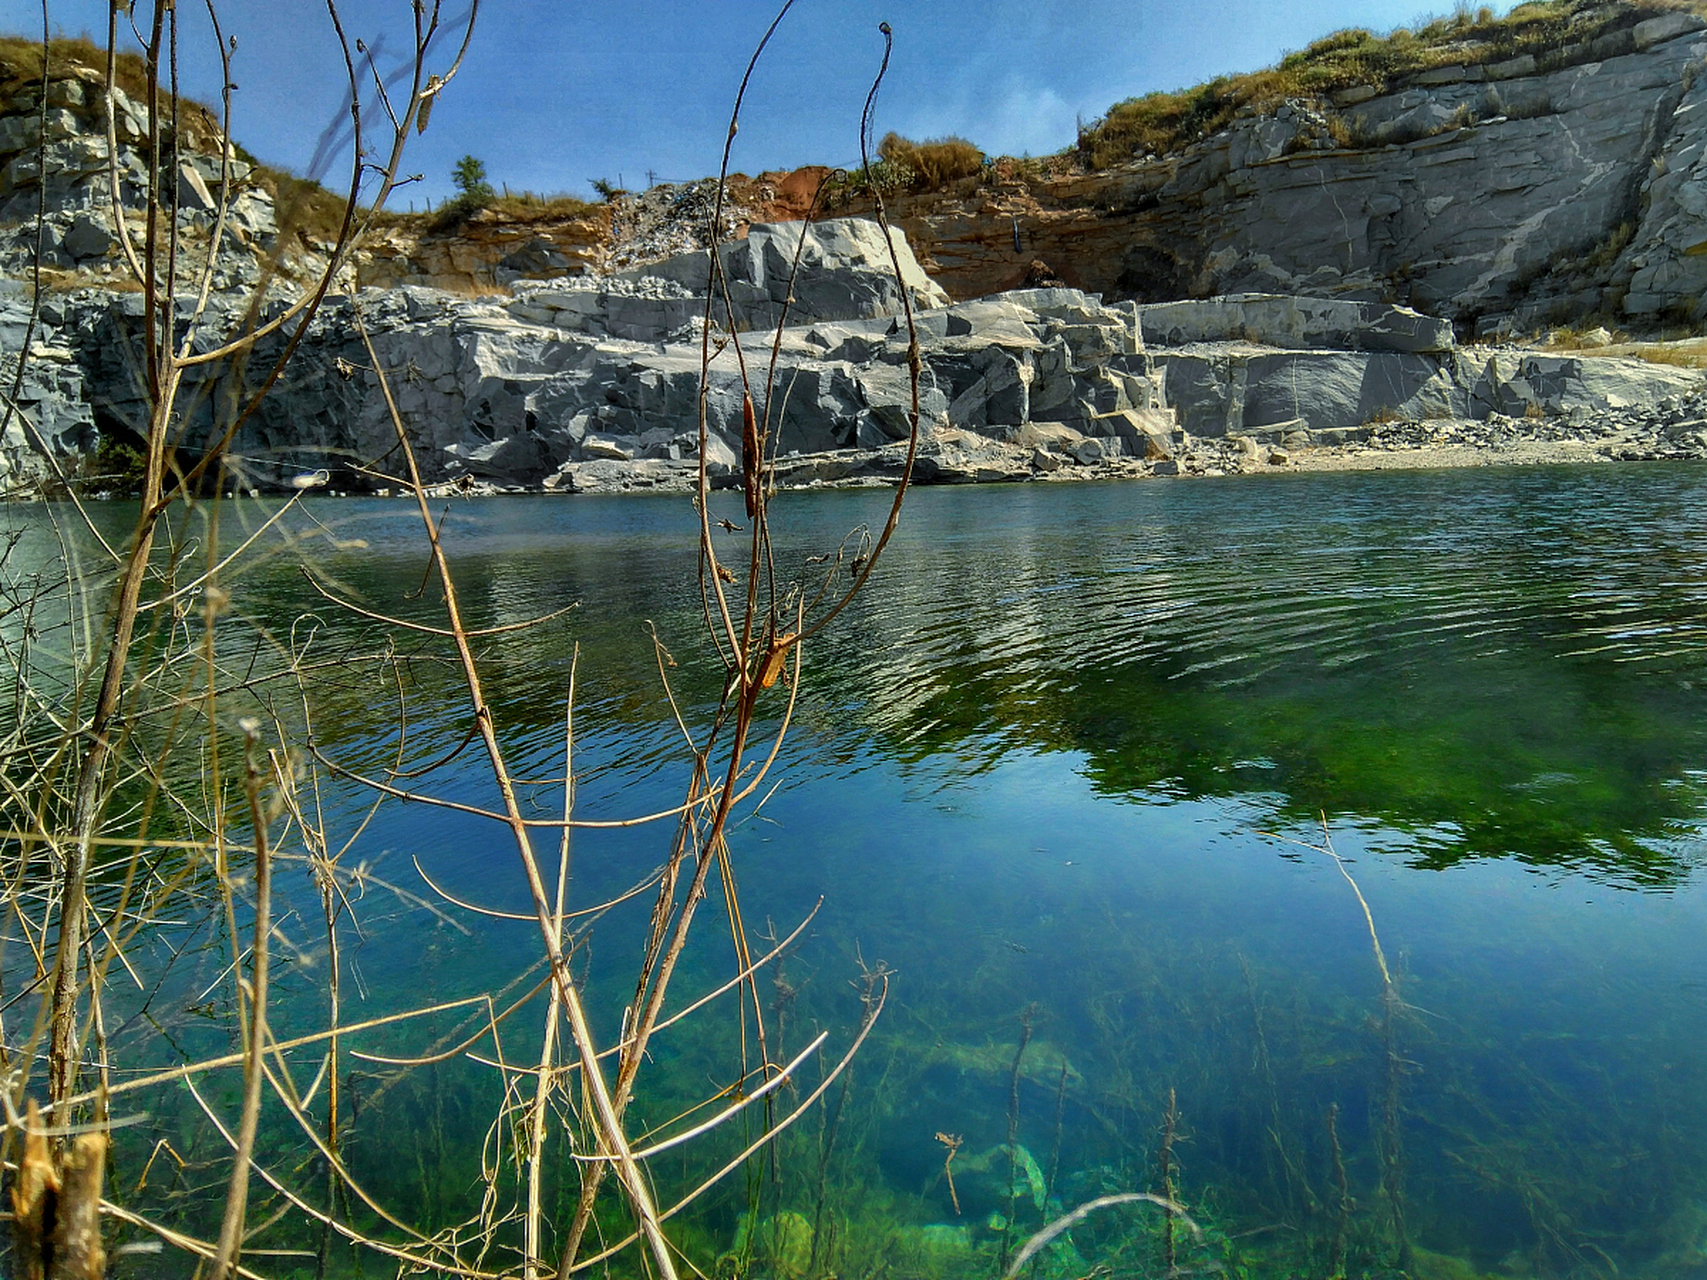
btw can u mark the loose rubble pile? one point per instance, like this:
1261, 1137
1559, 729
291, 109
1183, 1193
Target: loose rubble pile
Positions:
669, 219
1673, 428
76, 193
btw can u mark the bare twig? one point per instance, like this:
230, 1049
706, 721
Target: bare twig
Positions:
237, 1193
1067, 1221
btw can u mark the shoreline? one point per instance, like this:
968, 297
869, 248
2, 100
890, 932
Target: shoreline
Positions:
1673, 431
1433, 445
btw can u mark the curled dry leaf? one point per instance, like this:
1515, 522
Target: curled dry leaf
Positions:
429, 95
774, 661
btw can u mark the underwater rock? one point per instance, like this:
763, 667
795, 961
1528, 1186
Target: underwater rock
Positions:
784, 1240
982, 1181
937, 1249
1684, 1243
945, 1238
1428, 1265
1041, 1065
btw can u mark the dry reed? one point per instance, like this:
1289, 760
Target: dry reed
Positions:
110, 844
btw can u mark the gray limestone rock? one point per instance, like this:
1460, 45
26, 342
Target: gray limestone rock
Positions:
1283, 321
1469, 196
1665, 262
1516, 193
844, 272
89, 237
1237, 389
1013, 386
513, 394
593, 384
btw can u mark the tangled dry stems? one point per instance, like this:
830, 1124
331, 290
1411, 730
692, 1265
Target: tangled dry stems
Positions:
161, 769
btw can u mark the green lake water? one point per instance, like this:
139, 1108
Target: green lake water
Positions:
1057, 769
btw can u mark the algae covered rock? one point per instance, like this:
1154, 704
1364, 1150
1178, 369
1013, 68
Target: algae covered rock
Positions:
1428, 1265
782, 1242
1683, 1241
983, 1181
936, 1249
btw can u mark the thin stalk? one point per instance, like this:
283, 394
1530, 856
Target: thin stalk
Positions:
828, 1124
237, 1192
1013, 1135
1342, 1223
1390, 1151
1060, 1110
1170, 1126
532, 1248
90, 793
609, 1125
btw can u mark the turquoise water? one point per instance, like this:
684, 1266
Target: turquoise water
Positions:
1058, 769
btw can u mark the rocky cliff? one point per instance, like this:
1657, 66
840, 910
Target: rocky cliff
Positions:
1224, 304
1512, 192
593, 383
1504, 195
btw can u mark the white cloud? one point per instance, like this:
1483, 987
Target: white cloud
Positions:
1009, 117
1026, 119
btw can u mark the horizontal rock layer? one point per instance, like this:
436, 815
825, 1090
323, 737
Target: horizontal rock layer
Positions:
1503, 195
580, 384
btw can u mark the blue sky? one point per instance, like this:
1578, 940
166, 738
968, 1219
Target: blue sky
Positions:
556, 94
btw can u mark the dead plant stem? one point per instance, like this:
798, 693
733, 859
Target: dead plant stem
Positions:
237, 1193
609, 1124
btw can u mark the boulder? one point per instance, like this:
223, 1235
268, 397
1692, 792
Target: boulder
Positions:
252, 212
1286, 321
1667, 26
193, 192
845, 272
1240, 390
88, 237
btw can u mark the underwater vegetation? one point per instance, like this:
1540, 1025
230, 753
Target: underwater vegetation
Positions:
1076, 773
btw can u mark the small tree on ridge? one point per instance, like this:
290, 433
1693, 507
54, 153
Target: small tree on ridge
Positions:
472, 188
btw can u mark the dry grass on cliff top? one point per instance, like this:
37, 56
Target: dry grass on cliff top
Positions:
933, 163
529, 206
20, 72
304, 205
1163, 123
510, 209
20, 63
